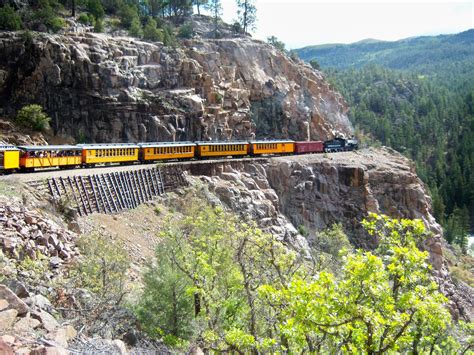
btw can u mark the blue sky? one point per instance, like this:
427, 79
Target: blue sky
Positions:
300, 23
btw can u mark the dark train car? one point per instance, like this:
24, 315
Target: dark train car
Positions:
352, 144
340, 145
309, 147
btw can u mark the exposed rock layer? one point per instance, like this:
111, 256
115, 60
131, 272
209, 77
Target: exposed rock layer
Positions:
315, 191
103, 89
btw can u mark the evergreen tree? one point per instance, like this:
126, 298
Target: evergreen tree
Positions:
215, 8
9, 19
276, 43
136, 29
96, 9
247, 14
199, 3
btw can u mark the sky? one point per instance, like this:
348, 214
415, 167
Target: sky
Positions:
300, 23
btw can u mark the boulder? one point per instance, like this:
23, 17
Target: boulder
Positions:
26, 325
48, 322
13, 301
41, 302
7, 319
3, 304
5, 349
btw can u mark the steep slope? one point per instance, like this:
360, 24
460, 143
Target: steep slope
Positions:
99, 88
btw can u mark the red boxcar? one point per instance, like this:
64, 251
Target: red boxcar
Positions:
309, 147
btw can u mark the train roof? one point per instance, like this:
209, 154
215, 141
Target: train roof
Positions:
30, 148
108, 146
166, 144
8, 147
273, 141
221, 143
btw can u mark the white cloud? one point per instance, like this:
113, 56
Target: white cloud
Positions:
307, 22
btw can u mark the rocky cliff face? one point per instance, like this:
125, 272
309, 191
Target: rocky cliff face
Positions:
315, 191
102, 88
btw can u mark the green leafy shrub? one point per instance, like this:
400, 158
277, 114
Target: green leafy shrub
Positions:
136, 29
186, 31
303, 230
332, 240
99, 25
314, 64
169, 38
151, 32
32, 116
9, 19
86, 19
47, 15
102, 268
276, 43
127, 14
95, 9
232, 287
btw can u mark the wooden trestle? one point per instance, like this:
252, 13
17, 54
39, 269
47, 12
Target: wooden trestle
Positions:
116, 191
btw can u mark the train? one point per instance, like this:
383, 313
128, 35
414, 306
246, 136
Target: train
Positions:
29, 158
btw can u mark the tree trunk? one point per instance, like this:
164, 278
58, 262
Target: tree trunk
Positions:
197, 305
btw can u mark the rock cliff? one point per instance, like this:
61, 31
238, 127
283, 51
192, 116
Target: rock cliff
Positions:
117, 89
314, 191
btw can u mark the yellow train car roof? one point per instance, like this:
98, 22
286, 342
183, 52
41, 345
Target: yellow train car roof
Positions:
222, 143
273, 141
166, 144
108, 146
30, 148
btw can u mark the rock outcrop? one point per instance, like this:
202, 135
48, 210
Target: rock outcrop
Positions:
285, 194
99, 88
25, 233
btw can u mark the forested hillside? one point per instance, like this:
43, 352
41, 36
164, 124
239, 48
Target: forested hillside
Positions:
416, 96
424, 54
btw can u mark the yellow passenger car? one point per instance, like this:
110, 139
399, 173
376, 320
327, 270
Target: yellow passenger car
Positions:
166, 151
9, 158
272, 147
109, 153
48, 156
221, 149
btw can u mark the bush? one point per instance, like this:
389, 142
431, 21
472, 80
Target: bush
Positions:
32, 116
95, 8
9, 19
46, 15
169, 39
314, 64
103, 267
86, 19
136, 29
186, 31
151, 32
332, 240
99, 25
127, 14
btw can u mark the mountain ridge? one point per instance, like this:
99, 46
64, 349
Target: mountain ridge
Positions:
401, 54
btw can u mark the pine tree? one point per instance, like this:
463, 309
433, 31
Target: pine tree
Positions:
246, 12
215, 8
